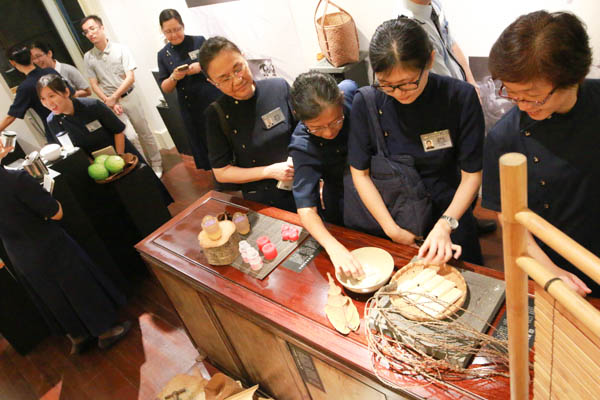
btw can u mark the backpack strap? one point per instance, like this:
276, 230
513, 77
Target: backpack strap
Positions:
368, 94
225, 127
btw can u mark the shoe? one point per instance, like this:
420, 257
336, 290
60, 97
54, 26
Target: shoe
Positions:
158, 171
81, 345
105, 343
485, 226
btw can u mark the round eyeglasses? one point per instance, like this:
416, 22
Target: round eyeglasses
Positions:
404, 87
503, 92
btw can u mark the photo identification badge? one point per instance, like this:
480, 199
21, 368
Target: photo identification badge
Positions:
436, 140
273, 118
194, 54
93, 126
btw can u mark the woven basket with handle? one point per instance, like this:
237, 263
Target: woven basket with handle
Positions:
337, 35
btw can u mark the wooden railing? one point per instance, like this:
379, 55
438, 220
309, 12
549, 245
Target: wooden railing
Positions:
517, 219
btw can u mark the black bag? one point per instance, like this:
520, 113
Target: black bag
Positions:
396, 179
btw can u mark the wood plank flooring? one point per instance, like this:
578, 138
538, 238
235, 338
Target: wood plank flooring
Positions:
157, 347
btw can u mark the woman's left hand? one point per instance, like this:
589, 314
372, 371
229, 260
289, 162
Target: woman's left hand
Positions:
194, 69
4, 150
438, 247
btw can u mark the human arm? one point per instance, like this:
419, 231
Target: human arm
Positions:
4, 151
114, 98
97, 90
120, 143
83, 92
462, 60
232, 174
372, 199
340, 257
438, 247
9, 119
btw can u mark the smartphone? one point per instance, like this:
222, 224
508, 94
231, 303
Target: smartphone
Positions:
182, 68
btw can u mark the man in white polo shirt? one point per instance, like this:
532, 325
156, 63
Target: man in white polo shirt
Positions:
110, 69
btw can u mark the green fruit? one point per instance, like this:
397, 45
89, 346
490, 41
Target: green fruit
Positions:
98, 172
114, 164
101, 159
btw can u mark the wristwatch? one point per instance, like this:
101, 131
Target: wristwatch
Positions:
453, 222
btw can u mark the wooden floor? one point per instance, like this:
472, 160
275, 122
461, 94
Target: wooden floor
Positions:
157, 347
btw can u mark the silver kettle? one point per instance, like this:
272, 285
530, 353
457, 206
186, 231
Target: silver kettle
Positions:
34, 165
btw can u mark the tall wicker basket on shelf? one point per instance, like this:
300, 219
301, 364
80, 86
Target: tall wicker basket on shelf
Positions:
338, 38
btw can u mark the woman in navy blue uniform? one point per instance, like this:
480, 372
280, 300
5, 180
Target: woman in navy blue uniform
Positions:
249, 130
91, 125
542, 59
438, 121
319, 148
75, 297
194, 92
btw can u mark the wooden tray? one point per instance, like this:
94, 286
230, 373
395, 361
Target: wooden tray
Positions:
411, 270
131, 161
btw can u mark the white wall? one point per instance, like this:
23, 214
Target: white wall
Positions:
284, 29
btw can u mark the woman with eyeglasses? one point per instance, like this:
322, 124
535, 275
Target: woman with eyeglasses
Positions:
319, 148
179, 69
249, 127
542, 60
434, 119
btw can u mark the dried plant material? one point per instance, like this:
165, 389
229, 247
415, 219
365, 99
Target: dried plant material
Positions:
188, 387
337, 317
352, 317
333, 288
337, 300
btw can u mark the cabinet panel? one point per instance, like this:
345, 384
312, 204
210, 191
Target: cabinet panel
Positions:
264, 357
194, 310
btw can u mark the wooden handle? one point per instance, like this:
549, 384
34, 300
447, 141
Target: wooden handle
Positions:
513, 191
576, 254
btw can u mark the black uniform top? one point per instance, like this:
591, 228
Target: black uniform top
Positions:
563, 169
316, 158
27, 97
92, 126
445, 104
251, 143
193, 90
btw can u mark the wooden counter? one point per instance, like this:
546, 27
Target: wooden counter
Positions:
255, 330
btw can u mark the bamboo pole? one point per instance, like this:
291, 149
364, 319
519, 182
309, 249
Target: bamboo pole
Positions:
572, 251
513, 190
574, 303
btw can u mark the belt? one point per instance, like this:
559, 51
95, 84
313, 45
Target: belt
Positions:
127, 92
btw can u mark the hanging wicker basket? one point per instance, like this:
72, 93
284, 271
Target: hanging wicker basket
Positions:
337, 35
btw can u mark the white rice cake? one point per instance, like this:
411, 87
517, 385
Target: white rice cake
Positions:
449, 298
433, 283
442, 288
420, 279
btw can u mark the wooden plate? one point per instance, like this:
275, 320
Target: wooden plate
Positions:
413, 269
131, 161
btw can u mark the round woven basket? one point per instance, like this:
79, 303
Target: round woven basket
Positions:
413, 269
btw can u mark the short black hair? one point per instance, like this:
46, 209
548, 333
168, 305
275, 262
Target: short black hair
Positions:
540, 45
312, 92
19, 54
399, 42
53, 81
43, 46
94, 17
168, 14
211, 48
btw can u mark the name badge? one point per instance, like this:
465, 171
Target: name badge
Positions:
93, 126
194, 54
436, 140
273, 118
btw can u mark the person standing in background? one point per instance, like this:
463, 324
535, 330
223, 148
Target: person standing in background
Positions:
43, 57
178, 68
26, 96
449, 58
110, 69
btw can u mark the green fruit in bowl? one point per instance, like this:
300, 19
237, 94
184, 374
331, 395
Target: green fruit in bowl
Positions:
98, 172
101, 159
114, 164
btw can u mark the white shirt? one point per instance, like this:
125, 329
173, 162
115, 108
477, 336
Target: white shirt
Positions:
109, 66
72, 75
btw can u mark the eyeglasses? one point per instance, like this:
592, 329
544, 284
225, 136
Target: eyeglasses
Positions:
332, 125
405, 87
504, 94
90, 30
174, 30
237, 72
37, 56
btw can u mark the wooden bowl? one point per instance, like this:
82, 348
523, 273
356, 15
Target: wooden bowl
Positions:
413, 269
378, 265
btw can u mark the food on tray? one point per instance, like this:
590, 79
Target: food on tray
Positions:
211, 226
241, 223
340, 309
289, 232
269, 251
261, 241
